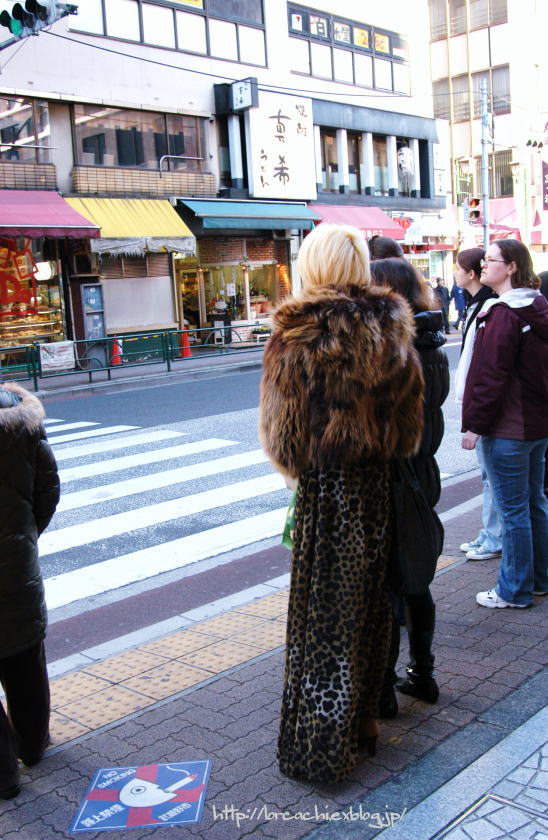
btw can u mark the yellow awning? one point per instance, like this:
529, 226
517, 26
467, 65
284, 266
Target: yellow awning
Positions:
130, 218
136, 226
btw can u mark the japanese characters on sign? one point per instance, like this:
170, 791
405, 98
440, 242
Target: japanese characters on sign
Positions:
281, 144
544, 185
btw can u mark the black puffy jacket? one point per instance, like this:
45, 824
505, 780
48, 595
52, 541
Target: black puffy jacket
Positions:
29, 492
435, 367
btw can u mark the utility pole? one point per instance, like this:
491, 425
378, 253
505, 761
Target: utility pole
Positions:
485, 161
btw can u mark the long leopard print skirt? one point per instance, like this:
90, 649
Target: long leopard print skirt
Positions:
338, 629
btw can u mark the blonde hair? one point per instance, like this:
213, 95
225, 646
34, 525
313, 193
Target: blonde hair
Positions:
334, 254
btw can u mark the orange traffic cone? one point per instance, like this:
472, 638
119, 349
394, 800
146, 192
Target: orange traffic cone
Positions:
185, 352
116, 351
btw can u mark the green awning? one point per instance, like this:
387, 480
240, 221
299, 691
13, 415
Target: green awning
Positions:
262, 215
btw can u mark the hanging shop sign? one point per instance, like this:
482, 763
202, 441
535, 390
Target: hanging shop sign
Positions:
280, 142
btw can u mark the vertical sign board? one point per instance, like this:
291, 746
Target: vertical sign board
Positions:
150, 795
544, 185
280, 142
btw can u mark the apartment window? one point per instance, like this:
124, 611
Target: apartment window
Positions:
347, 51
227, 29
137, 139
501, 183
498, 11
457, 16
479, 13
24, 126
438, 22
498, 90
461, 98
442, 110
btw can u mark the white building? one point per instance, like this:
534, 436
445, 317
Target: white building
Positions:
139, 100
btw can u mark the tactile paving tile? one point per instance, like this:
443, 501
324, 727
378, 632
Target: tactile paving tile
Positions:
446, 561
269, 635
228, 624
73, 687
270, 607
106, 706
220, 656
128, 664
167, 679
176, 644
62, 729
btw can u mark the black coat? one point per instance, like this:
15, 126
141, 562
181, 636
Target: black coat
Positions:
29, 492
435, 367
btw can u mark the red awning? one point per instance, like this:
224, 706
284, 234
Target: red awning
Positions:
35, 213
372, 220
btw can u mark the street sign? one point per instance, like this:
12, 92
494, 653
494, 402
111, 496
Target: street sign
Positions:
149, 795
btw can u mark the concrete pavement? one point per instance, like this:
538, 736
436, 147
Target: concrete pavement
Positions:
472, 766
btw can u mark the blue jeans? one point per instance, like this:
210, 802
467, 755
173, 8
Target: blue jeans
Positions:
515, 469
490, 536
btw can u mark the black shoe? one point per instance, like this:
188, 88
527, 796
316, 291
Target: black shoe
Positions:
30, 759
388, 704
423, 688
10, 792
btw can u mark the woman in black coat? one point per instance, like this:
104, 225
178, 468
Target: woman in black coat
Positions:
420, 611
29, 492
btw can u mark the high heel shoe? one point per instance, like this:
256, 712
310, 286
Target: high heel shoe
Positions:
367, 736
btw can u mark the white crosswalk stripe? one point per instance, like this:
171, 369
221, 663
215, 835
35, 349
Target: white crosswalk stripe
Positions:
108, 534
82, 424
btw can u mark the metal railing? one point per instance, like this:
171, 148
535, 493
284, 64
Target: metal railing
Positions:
108, 353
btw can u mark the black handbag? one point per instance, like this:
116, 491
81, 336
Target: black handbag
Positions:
417, 533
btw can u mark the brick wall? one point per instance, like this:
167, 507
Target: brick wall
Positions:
97, 180
235, 248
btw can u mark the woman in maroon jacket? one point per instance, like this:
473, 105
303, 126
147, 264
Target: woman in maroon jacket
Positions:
506, 404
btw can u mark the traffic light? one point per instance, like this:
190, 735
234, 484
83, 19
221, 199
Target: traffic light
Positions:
34, 15
474, 209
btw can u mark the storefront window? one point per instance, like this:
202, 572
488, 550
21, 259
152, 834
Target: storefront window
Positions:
24, 126
380, 165
137, 139
262, 290
224, 291
30, 296
330, 169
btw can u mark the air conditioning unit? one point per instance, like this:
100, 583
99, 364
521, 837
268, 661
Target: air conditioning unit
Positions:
281, 234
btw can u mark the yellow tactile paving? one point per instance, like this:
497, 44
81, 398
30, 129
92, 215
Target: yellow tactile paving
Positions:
269, 607
228, 624
166, 679
118, 668
443, 562
106, 706
220, 655
62, 729
173, 646
269, 635
74, 687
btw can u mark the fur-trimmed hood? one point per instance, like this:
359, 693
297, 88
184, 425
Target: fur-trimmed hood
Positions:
341, 379
28, 413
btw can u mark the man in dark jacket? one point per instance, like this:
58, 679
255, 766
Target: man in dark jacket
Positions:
29, 493
442, 296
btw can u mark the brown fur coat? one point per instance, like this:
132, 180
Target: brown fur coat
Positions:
341, 379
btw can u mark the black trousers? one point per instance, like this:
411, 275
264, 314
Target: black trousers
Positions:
24, 729
420, 618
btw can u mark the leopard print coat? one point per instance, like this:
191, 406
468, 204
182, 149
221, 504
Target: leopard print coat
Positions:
341, 394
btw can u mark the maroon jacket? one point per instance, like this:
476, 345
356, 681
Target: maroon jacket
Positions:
506, 393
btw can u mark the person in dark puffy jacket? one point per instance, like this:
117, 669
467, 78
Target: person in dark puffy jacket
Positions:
29, 493
419, 610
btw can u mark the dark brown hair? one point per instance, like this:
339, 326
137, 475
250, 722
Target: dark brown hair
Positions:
512, 250
400, 276
470, 259
382, 247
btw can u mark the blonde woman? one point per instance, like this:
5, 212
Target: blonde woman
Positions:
341, 394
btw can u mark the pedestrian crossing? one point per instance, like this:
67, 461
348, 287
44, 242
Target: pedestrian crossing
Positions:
138, 503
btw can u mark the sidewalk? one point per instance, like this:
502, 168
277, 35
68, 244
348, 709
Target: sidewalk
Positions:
478, 753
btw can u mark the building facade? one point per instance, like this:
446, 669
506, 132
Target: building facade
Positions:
500, 43
199, 140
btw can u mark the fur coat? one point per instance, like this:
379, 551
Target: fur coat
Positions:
341, 380
29, 492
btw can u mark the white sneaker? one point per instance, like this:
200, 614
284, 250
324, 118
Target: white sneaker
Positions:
491, 599
470, 546
482, 553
